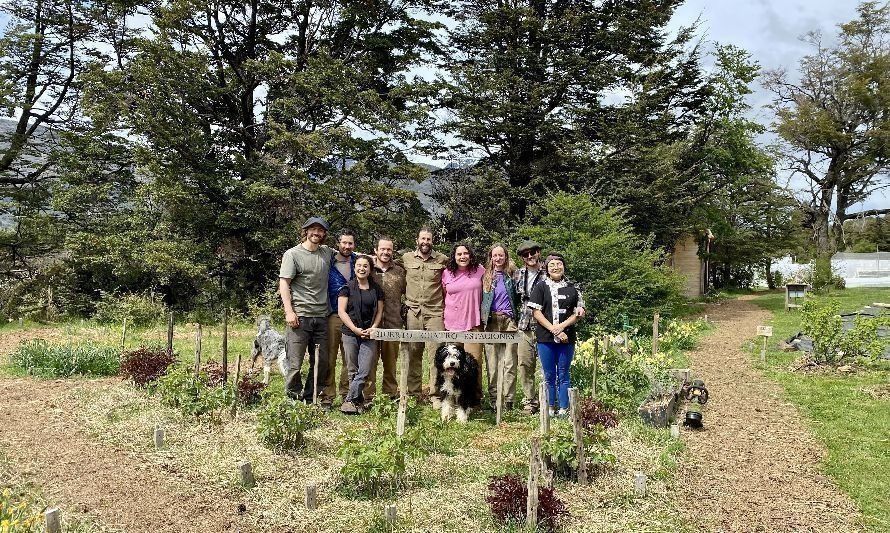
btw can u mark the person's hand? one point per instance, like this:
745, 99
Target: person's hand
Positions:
292, 319
366, 333
556, 329
563, 337
580, 313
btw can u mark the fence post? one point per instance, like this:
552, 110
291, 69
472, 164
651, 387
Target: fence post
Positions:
159, 437
640, 484
655, 321
170, 333
235, 383
225, 346
53, 520
575, 408
499, 403
198, 351
389, 513
123, 338
543, 408
403, 393
311, 495
534, 473
247, 478
596, 356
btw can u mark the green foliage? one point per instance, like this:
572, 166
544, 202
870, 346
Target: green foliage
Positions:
193, 396
617, 271
820, 319
863, 340
558, 446
823, 278
375, 461
282, 423
143, 309
41, 358
19, 513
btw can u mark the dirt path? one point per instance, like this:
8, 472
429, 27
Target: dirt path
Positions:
43, 446
755, 467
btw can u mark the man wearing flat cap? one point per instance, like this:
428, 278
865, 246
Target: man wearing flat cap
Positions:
303, 287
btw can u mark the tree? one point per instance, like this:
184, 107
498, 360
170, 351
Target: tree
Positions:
834, 122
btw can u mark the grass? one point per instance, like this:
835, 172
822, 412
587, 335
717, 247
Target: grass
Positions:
853, 422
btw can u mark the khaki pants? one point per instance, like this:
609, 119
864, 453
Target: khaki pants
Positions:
528, 359
389, 353
501, 352
335, 345
414, 351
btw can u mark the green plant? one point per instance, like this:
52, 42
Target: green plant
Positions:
863, 340
19, 513
282, 423
140, 309
250, 388
820, 319
191, 394
146, 365
374, 462
41, 358
558, 447
622, 382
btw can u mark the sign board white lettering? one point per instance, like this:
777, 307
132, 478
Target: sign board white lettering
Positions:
414, 335
765, 331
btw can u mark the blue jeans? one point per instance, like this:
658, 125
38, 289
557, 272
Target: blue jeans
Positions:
360, 355
556, 358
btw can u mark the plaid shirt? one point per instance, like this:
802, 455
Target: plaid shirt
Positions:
525, 312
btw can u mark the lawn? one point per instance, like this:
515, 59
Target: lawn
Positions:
849, 413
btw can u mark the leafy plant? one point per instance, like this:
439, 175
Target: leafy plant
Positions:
192, 395
19, 513
558, 447
621, 381
214, 372
863, 340
41, 358
250, 389
822, 321
282, 423
508, 499
140, 309
595, 413
146, 365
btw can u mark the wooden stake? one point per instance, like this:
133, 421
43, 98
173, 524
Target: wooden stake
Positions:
159, 437
403, 393
655, 321
575, 412
53, 519
499, 402
124, 338
543, 408
247, 478
21, 323
389, 513
675, 431
198, 351
237, 377
311, 493
763, 351
225, 346
315, 376
170, 333
596, 354
534, 473
640, 484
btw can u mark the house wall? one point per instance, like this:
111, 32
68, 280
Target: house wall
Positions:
685, 260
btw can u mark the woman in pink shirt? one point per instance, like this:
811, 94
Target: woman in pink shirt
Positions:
462, 283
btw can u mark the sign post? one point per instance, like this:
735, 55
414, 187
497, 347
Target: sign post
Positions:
766, 332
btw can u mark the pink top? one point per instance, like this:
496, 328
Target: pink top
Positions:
463, 298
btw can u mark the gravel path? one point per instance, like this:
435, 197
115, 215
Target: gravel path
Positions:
755, 466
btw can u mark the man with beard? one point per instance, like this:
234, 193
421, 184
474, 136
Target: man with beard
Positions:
425, 301
390, 276
342, 271
303, 287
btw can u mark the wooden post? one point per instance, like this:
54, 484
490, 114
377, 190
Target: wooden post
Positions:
237, 377
198, 350
124, 338
170, 333
640, 484
596, 354
607, 344
53, 519
159, 437
499, 403
763, 351
315, 374
311, 494
389, 513
247, 478
706, 319
543, 408
21, 322
655, 321
575, 408
534, 473
225, 346
675, 431
403, 393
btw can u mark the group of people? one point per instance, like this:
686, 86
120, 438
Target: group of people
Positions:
334, 298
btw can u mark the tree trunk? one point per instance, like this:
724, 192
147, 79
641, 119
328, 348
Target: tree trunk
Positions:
770, 280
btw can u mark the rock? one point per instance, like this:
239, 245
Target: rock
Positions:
846, 369
658, 412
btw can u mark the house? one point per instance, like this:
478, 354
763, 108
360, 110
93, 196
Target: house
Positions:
685, 259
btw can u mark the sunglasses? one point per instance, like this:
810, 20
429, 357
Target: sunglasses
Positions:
528, 253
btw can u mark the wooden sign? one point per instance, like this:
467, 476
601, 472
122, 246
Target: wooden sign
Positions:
414, 335
765, 331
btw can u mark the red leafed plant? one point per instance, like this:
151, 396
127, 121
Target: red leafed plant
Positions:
250, 388
594, 413
146, 365
214, 373
507, 497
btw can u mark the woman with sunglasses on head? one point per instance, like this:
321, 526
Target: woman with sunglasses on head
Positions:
462, 284
557, 306
499, 314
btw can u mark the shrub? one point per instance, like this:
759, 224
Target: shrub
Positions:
214, 372
595, 413
64, 360
250, 388
281, 423
822, 321
508, 497
621, 381
19, 513
558, 447
146, 365
863, 340
141, 309
181, 389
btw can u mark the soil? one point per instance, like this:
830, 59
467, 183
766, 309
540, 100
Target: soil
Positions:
113, 487
754, 466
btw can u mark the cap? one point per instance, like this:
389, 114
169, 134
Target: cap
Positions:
527, 245
316, 220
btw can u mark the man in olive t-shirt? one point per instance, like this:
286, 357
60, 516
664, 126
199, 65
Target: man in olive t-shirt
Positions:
303, 287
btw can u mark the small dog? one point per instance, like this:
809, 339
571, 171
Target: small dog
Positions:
270, 344
457, 382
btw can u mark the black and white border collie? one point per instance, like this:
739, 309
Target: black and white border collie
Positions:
270, 345
457, 382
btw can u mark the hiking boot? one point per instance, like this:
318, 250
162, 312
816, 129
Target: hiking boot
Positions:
349, 408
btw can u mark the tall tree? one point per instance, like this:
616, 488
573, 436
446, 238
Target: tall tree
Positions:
834, 121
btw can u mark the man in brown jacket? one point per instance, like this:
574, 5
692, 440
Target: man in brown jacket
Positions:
391, 277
